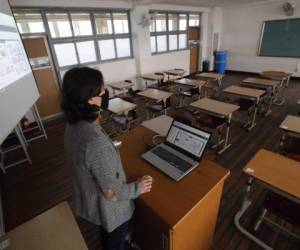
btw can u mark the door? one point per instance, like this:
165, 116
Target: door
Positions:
39, 55
194, 37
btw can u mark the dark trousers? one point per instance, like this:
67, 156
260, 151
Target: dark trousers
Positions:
115, 240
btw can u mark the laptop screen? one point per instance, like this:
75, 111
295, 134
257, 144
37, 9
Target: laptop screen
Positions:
189, 139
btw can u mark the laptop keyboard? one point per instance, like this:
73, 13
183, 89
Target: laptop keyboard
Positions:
172, 159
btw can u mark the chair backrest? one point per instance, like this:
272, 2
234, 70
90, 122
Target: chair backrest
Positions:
194, 91
132, 114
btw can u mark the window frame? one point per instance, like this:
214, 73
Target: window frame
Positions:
75, 38
167, 33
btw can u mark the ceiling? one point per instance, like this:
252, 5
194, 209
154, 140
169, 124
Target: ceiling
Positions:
202, 3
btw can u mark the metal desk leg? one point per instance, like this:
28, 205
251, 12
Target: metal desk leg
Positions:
165, 105
2, 227
253, 124
19, 134
284, 87
39, 120
1, 163
245, 205
226, 143
282, 140
269, 111
22, 134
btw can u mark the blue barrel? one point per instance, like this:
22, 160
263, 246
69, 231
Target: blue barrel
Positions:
220, 61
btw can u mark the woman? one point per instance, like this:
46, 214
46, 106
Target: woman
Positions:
101, 193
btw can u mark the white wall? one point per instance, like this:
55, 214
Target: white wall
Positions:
241, 36
143, 62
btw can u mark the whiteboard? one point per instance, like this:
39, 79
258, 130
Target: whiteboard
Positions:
18, 89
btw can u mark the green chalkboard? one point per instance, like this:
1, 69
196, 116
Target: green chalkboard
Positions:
281, 38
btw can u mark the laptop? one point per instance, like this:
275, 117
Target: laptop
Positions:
181, 151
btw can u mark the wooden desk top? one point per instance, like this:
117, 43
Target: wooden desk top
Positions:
191, 82
275, 74
119, 106
55, 229
275, 170
243, 91
152, 77
216, 107
169, 199
175, 72
159, 125
210, 75
156, 94
262, 82
121, 85
291, 123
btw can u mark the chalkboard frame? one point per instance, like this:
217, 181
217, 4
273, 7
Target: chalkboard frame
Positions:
262, 34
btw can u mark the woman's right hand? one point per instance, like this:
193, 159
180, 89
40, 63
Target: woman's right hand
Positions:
145, 184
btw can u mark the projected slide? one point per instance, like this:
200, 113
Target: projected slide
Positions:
13, 62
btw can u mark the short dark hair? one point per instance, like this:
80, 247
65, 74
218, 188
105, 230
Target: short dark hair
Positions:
79, 85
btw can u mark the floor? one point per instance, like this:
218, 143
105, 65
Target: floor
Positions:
31, 189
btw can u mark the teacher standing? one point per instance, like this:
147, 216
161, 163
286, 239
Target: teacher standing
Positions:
101, 193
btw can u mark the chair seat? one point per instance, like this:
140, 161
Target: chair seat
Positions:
292, 145
210, 121
186, 93
283, 207
156, 107
244, 104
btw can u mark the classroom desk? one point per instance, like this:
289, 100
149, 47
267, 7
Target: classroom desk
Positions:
157, 95
123, 86
214, 76
174, 215
159, 124
281, 76
119, 106
175, 73
290, 126
218, 109
275, 172
191, 82
265, 84
55, 229
247, 93
152, 77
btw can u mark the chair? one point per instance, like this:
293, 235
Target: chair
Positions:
125, 121
282, 207
213, 124
190, 93
158, 108
247, 106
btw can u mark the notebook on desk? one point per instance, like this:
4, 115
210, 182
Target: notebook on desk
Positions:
181, 151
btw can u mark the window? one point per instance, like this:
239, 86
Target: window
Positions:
194, 19
113, 35
29, 22
107, 49
81, 24
86, 51
66, 54
80, 37
173, 42
120, 23
160, 22
169, 31
161, 43
103, 23
123, 47
59, 25
173, 22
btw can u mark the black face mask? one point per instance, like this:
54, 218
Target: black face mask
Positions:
105, 100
